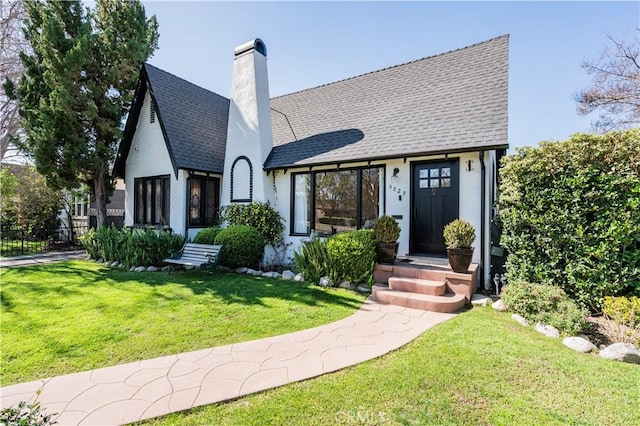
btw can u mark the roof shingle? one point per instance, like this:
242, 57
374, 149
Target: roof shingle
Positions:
452, 102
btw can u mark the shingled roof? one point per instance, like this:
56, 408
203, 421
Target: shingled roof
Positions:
193, 121
452, 102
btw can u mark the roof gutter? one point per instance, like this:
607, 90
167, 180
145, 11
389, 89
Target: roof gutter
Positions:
383, 157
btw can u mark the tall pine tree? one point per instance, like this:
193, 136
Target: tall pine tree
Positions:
77, 86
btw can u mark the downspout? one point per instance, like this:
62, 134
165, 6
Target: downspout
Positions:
483, 204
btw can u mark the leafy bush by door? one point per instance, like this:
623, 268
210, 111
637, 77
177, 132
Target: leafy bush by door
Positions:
570, 214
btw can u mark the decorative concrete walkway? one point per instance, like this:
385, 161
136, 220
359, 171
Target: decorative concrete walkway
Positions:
36, 259
141, 390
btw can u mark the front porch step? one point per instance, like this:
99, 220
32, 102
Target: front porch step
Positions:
447, 303
417, 285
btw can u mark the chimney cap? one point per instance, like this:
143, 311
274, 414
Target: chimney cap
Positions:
255, 44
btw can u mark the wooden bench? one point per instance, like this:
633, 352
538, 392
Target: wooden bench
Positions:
203, 256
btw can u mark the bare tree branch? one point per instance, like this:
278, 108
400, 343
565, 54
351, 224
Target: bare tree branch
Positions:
615, 90
12, 42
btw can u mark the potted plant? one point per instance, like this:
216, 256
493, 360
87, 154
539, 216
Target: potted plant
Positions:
386, 232
459, 235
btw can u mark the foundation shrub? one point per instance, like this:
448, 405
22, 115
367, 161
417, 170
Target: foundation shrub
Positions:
353, 256
312, 260
137, 247
258, 215
570, 214
207, 236
545, 304
242, 246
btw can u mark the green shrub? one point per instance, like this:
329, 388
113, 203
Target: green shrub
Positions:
459, 234
258, 215
353, 256
138, 247
312, 260
146, 247
89, 241
570, 214
27, 414
544, 304
386, 230
243, 246
622, 310
207, 236
625, 314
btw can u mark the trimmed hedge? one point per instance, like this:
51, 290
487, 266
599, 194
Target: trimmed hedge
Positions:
570, 215
242, 246
207, 236
544, 304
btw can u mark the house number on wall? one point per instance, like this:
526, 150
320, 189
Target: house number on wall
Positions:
397, 190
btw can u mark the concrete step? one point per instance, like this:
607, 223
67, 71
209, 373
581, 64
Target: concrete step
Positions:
417, 285
447, 303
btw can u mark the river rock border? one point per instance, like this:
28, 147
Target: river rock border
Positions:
286, 275
624, 352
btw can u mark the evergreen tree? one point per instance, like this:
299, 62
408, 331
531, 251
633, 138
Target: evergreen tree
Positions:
77, 86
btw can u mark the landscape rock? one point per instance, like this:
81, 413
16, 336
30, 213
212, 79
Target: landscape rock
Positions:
101, 260
347, 285
579, 344
298, 278
520, 320
364, 288
242, 270
133, 268
498, 305
152, 269
624, 352
548, 330
140, 269
249, 271
325, 282
257, 273
480, 300
288, 275
271, 275
166, 268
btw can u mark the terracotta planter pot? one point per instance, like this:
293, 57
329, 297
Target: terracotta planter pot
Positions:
386, 252
460, 258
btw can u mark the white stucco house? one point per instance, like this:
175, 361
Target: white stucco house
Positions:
420, 141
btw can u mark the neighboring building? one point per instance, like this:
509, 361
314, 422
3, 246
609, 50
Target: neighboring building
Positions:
84, 213
420, 141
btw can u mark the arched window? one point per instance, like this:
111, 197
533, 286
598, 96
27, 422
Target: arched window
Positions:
241, 180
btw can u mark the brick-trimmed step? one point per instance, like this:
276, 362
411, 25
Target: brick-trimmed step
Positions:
447, 303
417, 285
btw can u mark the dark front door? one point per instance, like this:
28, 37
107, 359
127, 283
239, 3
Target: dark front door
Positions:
434, 204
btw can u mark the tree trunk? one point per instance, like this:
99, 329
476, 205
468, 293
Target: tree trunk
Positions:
100, 192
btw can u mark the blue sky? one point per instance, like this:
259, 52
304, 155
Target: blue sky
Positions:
313, 43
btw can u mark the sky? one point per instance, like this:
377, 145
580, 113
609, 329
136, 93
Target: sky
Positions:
314, 43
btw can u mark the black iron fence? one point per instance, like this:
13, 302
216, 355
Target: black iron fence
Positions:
16, 241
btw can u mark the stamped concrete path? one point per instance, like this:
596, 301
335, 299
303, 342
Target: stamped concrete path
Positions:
141, 390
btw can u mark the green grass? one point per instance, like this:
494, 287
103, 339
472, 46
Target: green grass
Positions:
73, 316
478, 368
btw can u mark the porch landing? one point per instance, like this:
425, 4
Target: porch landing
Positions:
426, 283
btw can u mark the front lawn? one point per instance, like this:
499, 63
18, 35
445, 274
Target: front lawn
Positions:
66, 317
478, 368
